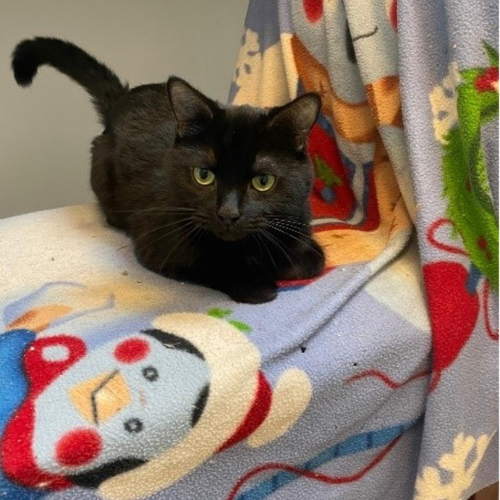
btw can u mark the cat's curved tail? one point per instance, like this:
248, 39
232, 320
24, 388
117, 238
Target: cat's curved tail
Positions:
98, 80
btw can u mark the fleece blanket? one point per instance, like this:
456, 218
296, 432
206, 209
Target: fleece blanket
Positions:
377, 381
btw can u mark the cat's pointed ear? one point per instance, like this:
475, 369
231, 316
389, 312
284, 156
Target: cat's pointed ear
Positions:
192, 110
296, 119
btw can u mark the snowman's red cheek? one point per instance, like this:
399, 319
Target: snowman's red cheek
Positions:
131, 350
78, 447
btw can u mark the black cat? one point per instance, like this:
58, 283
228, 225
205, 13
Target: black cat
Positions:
212, 194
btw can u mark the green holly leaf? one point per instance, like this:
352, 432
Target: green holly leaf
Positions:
474, 106
469, 76
242, 327
492, 54
219, 313
470, 209
489, 113
224, 313
488, 102
324, 173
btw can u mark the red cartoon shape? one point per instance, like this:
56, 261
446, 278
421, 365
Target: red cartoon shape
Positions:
256, 415
131, 351
453, 311
78, 447
332, 195
488, 81
392, 11
313, 10
454, 302
44, 361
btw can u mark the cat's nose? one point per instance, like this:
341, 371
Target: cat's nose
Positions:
228, 215
228, 211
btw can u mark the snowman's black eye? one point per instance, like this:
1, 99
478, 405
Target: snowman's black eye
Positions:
133, 426
150, 373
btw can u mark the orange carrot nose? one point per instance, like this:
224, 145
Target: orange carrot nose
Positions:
101, 398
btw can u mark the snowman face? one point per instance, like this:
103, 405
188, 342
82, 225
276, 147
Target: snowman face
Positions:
119, 406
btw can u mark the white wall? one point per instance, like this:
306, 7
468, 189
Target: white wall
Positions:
46, 129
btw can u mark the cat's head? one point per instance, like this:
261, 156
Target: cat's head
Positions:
242, 169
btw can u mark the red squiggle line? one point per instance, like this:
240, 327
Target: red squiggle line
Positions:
317, 476
493, 334
442, 246
386, 379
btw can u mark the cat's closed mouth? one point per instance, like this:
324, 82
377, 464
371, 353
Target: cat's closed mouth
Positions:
231, 233
230, 236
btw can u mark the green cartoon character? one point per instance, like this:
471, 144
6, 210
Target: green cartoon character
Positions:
473, 103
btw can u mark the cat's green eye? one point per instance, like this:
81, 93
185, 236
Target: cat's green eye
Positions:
203, 176
263, 182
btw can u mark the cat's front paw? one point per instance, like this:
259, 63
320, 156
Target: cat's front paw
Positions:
309, 264
252, 293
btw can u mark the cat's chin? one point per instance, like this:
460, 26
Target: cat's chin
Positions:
230, 236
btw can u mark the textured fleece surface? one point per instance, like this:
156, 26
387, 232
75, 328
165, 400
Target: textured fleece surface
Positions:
377, 381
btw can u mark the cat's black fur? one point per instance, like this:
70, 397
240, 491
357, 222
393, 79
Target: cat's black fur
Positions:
228, 235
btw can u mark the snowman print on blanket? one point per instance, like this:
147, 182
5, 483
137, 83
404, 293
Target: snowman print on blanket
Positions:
87, 423
139, 412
